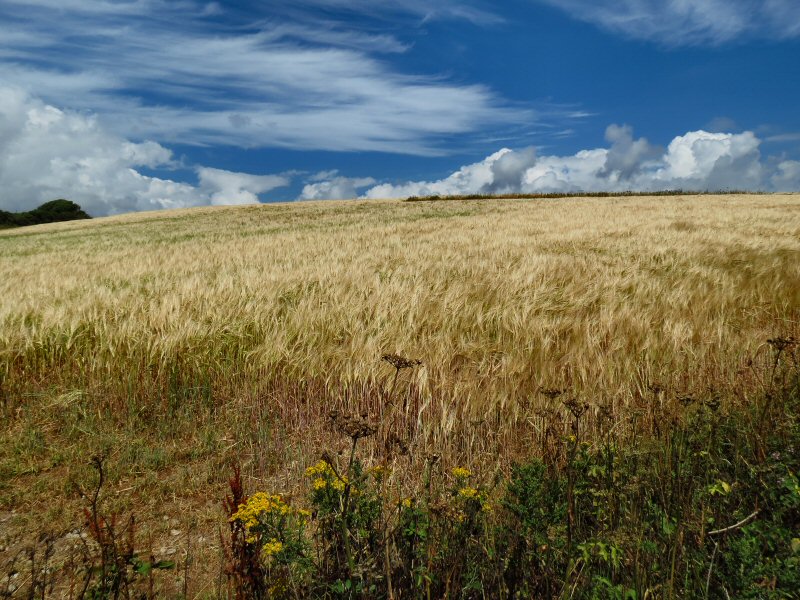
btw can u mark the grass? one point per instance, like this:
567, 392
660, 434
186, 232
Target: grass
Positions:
179, 341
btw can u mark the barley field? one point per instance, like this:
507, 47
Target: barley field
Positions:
498, 299
178, 341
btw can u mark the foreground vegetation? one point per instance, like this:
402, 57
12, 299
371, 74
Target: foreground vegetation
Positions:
708, 507
604, 360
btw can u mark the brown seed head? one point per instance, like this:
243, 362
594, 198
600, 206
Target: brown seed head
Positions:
551, 393
780, 343
352, 426
398, 362
394, 443
576, 408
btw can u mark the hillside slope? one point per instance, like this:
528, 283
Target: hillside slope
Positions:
178, 341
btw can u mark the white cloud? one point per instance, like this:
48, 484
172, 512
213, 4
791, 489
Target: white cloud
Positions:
441, 9
474, 178
47, 153
700, 159
567, 173
689, 22
697, 160
787, 176
627, 156
784, 137
228, 187
328, 185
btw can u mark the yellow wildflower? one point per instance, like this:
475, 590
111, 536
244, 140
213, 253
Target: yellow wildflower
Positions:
468, 493
272, 547
461, 473
379, 471
324, 475
321, 468
258, 504
407, 502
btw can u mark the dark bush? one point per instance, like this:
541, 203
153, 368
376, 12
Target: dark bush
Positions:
50, 212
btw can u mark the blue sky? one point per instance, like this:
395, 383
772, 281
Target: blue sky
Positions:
126, 105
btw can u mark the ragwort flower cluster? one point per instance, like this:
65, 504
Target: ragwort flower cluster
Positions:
272, 524
323, 477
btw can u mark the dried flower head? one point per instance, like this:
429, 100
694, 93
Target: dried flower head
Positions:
398, 362
354, 427
576, 408
551, 393
394, 443
605, 412
780, 343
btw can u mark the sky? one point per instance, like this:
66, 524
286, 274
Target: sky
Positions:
127, 105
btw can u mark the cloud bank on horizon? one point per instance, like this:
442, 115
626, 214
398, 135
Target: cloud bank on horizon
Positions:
45, 150
697, 160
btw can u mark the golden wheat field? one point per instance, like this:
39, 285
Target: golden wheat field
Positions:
178, 341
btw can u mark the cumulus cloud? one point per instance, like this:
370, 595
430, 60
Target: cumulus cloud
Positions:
689, 22
703, 160
474, 178
328, 185
697, 160
47, 153
227, 187
627, 156
567, 173
787, 176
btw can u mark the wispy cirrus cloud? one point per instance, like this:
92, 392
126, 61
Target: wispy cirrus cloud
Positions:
475, 11
689, 22
269, 81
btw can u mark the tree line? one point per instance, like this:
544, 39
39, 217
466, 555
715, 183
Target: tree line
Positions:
49, 212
